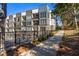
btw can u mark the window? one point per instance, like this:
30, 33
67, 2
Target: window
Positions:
35, 28
40, 21
48, 15
23, 28
18, 19
43, 21
7, 30
7, 20
29, 28
11, 25
36, 22
7, 25
14, 19
0, 19
24, 17
35, 15
0, 29
43, 14
24, 23
28, 17
0, 6
28, 23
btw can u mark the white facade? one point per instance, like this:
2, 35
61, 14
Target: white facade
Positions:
28, 19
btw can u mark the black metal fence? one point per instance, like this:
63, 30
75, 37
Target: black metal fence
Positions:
2, 27
22, 38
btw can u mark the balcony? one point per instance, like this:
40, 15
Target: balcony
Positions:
23, 28
23, 18
35, 16
23, 24
35, 22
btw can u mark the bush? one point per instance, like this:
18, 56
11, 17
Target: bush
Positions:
35, 42
42, 38
58, 28
51, 34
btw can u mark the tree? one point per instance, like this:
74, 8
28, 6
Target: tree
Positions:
67, 11
76, 8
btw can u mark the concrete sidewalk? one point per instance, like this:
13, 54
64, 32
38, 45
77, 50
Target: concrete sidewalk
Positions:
48, 47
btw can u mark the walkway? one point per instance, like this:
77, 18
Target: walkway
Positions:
48, 47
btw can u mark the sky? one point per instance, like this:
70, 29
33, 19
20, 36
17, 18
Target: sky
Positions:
13, 8
59, 21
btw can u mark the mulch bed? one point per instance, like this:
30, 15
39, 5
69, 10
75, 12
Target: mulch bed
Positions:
69, 47
12, 52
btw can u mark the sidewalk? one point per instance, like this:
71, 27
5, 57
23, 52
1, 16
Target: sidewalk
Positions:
48, 47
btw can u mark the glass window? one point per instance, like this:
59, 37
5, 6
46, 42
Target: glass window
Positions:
28, 23
28, 17
24, 17
17, 19
24, 23
0, 29
36, 22
43, 14
36, 15
14, 19
0, 6
43, 21
29, 28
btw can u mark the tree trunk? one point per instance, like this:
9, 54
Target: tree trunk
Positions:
75, 19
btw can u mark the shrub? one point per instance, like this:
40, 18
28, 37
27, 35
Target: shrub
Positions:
47, 36
42, 38
35, 42
58, 28
51, 34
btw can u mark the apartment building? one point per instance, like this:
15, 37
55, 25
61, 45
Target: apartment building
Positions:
29, 24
